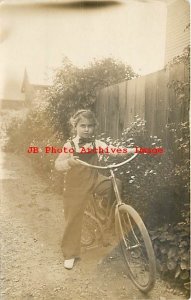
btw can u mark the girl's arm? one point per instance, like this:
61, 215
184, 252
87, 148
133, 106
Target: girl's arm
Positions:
62, 161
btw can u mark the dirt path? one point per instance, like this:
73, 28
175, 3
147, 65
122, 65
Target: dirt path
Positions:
32, 264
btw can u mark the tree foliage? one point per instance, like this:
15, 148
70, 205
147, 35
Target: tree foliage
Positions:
75, 88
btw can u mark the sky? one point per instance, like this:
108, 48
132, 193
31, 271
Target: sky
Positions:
37, 38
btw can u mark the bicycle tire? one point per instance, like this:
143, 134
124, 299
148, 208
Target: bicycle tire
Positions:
136, 247
91, 231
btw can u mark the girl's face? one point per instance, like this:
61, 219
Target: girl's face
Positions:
85, 128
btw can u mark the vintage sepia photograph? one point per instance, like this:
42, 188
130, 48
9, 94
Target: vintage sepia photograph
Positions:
95, 149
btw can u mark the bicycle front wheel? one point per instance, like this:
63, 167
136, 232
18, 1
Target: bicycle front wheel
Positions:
136, 247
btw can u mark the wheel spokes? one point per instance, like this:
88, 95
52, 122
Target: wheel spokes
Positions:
134, 250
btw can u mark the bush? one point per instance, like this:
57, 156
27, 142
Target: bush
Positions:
34, 130
171, 244
75, 88
151, 182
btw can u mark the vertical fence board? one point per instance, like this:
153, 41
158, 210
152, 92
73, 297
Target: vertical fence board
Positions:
150, 102
140, 97
113, 109
130, 102
161, 104
122, 105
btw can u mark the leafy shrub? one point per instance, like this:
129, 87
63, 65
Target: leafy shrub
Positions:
34, 130
180, 151
171, 244
151, 183
75, 88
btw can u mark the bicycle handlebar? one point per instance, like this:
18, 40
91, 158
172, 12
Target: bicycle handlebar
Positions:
109, 166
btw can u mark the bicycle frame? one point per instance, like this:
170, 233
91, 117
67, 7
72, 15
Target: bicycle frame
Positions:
113, 178
115, 187
118, 201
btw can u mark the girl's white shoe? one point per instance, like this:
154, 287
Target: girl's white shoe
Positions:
69, 263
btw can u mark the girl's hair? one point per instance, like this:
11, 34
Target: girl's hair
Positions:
83, 113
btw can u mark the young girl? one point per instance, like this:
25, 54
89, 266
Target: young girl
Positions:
80, 181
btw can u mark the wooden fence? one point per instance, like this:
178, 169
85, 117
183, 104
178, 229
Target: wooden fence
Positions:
147, 96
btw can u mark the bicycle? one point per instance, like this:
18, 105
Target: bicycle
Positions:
133, 237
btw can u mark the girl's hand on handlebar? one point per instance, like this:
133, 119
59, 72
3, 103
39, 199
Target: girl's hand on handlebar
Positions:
131, 150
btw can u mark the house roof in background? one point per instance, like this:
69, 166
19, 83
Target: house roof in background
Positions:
42, 79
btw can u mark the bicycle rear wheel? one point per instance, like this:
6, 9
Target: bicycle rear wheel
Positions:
136, 247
